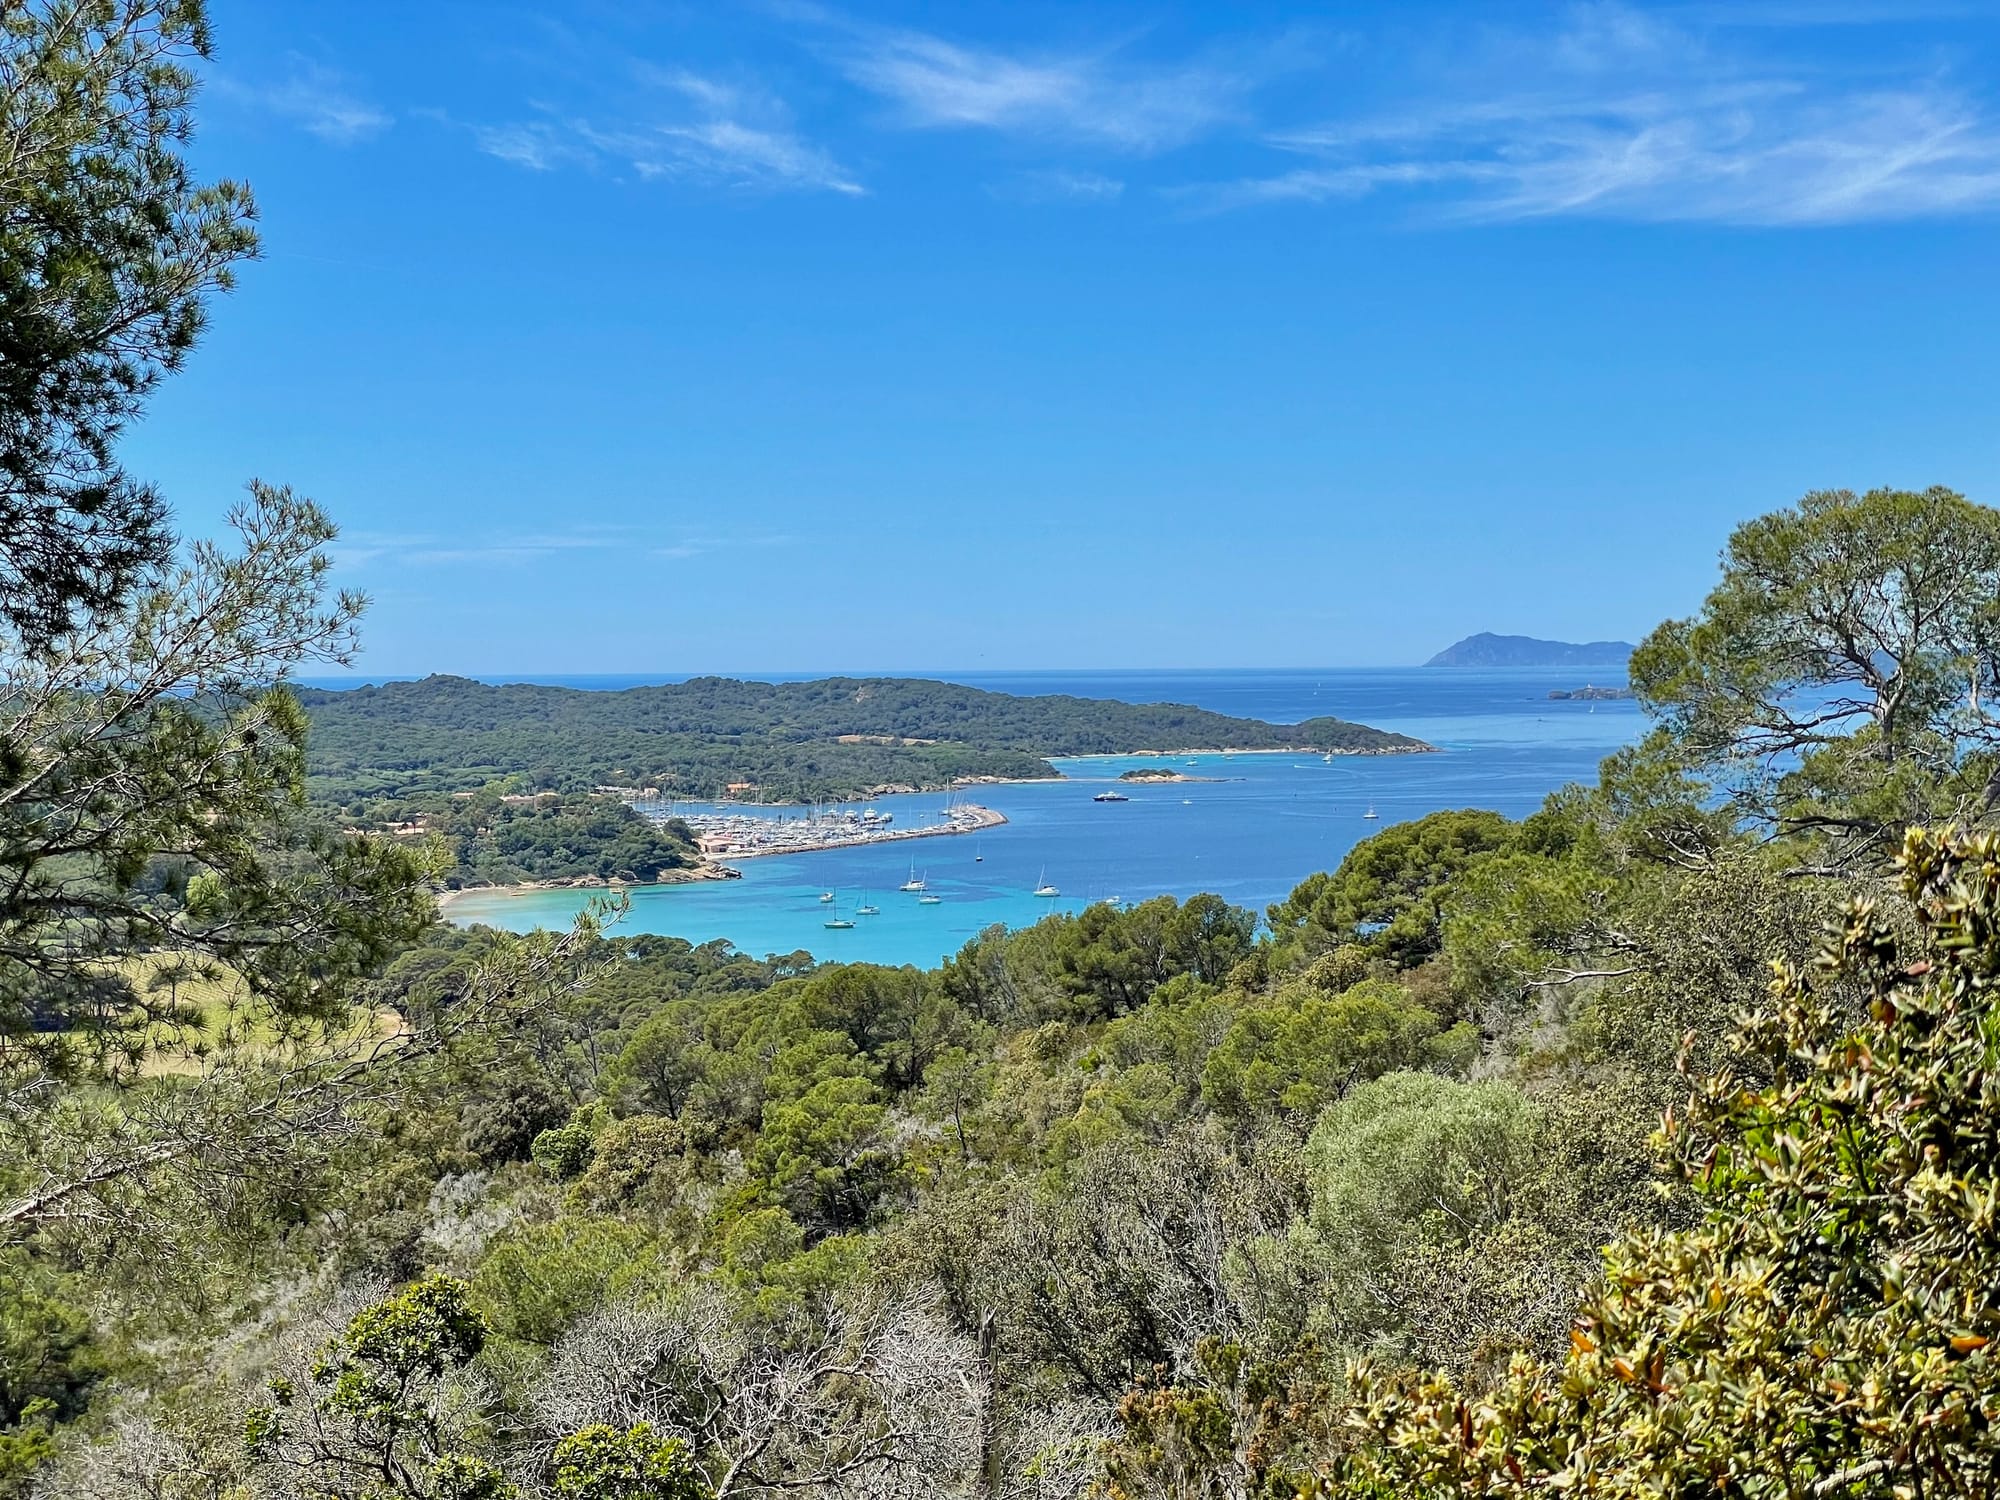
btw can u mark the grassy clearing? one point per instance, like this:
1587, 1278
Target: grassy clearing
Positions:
198, 1011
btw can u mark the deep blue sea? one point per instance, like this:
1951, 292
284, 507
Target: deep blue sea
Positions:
1250, 834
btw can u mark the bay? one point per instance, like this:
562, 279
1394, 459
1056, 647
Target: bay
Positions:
1249, 831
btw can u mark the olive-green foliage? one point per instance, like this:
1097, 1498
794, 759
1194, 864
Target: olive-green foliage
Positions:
535, 1281
1826, 1327
1550, 903
501, 1119
827, 1153
1385, 895
47, 1353
603, 1463
1301, 1050
956, 1084
564, 1150
391, 1409
1416, 1157
1703, 951
662, 1062
1237, 1427
49, 1363
419, 1334
633, 1163
371, 1422
1108, 960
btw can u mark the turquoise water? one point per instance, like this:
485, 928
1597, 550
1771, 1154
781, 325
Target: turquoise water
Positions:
1250, 834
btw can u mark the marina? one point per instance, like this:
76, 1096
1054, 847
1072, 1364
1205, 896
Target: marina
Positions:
728, 835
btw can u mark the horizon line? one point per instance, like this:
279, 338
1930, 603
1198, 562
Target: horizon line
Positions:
917, 673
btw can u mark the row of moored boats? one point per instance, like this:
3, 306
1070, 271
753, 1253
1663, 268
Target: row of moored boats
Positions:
917, 885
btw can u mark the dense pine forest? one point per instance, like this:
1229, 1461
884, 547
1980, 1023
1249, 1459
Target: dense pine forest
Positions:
1648, 1145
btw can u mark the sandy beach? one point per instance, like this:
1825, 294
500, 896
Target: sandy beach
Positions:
708, 870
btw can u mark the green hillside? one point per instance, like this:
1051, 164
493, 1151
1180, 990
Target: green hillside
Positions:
792, 741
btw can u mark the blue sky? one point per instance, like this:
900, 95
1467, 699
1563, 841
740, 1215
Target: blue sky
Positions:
658, 337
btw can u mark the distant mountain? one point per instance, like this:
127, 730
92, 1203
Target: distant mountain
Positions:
1487, 650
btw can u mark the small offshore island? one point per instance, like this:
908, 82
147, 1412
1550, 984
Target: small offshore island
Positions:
534, 785
1149, 775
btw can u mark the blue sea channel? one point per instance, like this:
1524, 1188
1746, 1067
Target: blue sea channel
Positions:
1249, 830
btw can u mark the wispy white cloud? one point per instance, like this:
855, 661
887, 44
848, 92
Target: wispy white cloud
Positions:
1058, 185
538, 145
1105, 97
1625, 114
425, 549
730, 153
698, 546
719, 135
317, 99
357, 548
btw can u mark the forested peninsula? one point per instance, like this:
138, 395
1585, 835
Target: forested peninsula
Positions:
715, 737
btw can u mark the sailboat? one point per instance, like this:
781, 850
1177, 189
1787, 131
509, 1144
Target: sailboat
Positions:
1328, 757
1044, 888
912, 884
1371, 813
867, 908
825, 897
838, 922
978, 854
